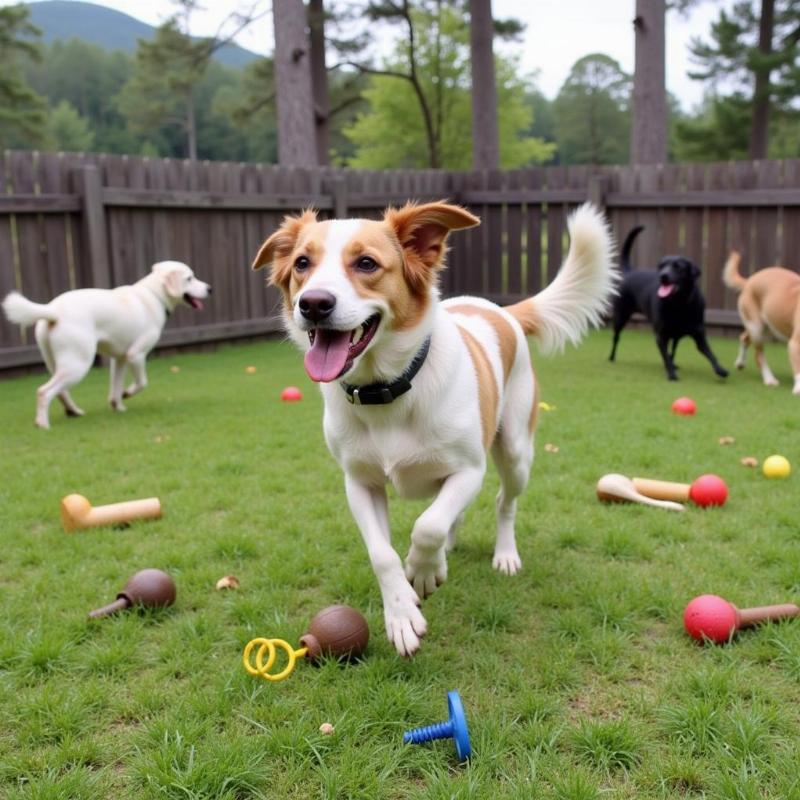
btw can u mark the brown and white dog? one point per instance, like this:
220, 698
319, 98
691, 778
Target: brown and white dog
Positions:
418, 391
769, 300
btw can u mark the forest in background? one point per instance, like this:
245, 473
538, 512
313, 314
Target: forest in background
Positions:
171, 97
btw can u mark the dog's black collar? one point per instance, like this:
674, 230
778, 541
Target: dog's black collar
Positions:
381, 394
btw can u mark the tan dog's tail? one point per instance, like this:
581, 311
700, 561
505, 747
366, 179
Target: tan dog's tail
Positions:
731, 276
580, 294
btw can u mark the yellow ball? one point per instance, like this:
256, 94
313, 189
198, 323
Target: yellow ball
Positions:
777, 467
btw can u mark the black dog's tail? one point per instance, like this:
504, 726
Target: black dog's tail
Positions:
625, 256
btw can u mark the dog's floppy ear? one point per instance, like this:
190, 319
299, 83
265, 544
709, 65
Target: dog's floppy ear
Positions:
278, 247
173, 283
695, 270
422, 231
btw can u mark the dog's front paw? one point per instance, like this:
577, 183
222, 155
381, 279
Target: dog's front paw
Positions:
507, 561
722, 372
116, 405
773, 381
426, 571
405, 625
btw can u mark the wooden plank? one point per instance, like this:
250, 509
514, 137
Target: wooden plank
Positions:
144, 254
671, 227
118, 222
30, 238
716, 240
790, 257
148, 198
533, 279
496, 261
514, 235
768, 234
556, 178
649, 244
55, 227
47, 203
239, 259
156, 169
490, 197
254, 236
10, 335
626, 218
695, 216
742, 219
703, 198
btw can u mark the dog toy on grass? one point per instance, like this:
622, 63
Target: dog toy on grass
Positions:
707, 490
684, 406
77, 512
712, 617
777, 467
148, 587
337, 630
455, 728
291, 394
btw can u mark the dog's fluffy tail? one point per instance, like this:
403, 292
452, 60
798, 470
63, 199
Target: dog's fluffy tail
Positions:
731, 276
581, 292
22, 311
627, 246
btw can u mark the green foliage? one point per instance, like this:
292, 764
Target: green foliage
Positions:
392, 132
68, 130
728, 63
22, 110
592, 113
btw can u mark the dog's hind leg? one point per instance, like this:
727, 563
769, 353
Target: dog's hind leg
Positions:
744, 343
66, 375
116, 371
794, 356
662, 342
703, 346
43, 340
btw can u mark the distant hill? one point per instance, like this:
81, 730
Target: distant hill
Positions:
110, 29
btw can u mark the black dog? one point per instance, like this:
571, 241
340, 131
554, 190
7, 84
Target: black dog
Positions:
670, 299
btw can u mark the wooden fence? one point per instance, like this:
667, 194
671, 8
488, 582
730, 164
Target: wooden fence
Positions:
69, 221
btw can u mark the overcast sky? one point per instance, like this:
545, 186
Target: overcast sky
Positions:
558, 33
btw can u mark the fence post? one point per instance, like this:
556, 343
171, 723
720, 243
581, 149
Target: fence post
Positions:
338, 190
90, 189
597, 190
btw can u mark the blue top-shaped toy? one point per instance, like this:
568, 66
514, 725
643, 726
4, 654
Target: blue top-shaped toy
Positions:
455, 727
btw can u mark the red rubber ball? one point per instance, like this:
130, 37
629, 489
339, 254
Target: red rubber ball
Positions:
708, 490
684, 405
711, 617
291, 394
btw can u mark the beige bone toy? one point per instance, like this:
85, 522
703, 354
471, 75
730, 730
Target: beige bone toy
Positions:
619, 488
77, 512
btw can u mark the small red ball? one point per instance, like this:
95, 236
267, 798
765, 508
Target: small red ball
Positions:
708, 490
685, 406
291, 394
711, 617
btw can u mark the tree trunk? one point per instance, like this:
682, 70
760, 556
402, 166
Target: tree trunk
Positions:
485, 146
319, 79
649, 122
759, 130
294, 100
191, 127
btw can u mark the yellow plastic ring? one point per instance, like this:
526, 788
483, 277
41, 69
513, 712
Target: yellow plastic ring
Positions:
265, 646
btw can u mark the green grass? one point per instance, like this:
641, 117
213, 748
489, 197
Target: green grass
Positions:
578, 680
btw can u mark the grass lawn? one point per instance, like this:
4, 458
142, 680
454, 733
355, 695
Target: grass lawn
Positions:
576, 675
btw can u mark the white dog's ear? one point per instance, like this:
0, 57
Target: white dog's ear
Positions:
422, 231
173, 283
278, 247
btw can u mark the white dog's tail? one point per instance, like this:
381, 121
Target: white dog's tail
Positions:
581, 292
22, 311
731, 276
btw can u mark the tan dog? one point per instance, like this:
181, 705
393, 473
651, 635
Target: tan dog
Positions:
769, 300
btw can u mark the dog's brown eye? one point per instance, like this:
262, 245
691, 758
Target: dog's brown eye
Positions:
366, 264
302, 263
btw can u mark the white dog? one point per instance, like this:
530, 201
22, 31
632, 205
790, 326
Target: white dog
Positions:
123, 323
416, 390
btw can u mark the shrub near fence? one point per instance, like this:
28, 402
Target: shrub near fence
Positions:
69, 221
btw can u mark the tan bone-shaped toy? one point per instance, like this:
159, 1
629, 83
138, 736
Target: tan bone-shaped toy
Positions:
77, 512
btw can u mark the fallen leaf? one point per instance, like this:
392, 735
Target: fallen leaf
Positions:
228, 582
749, 461
326, 729
250, 370
550, 448
546, 406
726, 440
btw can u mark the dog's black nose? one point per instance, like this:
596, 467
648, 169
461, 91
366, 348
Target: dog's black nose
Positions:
210, 288
317, 305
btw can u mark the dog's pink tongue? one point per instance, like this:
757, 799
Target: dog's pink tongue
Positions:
328, 355
665, 290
